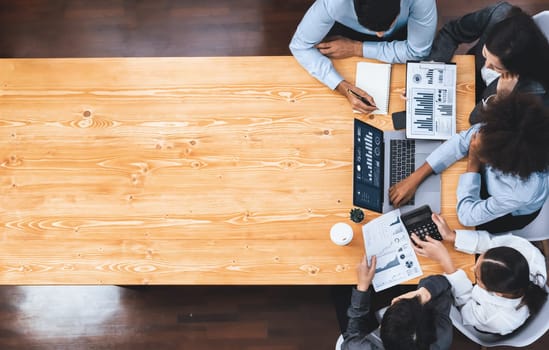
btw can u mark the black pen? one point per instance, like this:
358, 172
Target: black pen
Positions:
362, 99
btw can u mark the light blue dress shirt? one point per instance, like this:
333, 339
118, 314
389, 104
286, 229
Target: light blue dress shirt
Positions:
419, 15
508, 193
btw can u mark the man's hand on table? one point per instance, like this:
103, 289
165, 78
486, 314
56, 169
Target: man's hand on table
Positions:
340, 47
345, 89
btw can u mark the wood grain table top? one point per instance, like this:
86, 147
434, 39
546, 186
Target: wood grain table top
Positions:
225, 170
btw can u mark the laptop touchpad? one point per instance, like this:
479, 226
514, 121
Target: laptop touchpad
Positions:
431, 184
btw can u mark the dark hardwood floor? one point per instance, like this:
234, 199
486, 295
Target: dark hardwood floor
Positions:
80, 28
170, 317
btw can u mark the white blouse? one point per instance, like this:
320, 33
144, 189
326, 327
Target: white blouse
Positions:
485, 310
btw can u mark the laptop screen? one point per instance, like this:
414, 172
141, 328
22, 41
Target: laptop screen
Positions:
368, 167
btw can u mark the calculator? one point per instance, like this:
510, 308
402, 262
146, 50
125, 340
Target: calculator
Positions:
419, 221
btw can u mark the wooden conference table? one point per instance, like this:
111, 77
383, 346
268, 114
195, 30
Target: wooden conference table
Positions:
227, 170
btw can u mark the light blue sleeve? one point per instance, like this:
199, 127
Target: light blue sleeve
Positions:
505, 197
471, 209
422, 25
314, 26
452, 150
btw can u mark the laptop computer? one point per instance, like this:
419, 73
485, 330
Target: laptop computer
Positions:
374, 151
431, 100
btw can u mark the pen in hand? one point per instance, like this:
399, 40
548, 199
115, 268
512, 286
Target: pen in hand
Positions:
362, 99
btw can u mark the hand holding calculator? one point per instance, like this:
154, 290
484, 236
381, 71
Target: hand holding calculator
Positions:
419, 221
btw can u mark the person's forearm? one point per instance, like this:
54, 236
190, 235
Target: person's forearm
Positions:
448, 266
342, 87
472, 210
421, 173
434, 284
357, 48
358, 313
473, 167
473, 164
466, 29
450, 236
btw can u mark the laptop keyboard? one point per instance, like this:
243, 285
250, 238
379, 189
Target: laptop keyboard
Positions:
402, 161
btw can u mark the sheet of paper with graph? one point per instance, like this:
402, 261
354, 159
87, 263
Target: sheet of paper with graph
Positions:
387, 239
431, 100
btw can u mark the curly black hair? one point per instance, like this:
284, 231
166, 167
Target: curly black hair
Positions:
515, 135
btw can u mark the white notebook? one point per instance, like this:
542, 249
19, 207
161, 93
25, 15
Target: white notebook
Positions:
375, 79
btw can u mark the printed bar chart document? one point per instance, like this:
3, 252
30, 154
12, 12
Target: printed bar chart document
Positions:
431, 100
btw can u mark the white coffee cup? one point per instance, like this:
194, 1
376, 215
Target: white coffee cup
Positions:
341, 233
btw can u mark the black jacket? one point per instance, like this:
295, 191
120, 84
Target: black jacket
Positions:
359, 327
476, 26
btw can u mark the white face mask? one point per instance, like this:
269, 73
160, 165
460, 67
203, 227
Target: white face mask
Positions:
488, 75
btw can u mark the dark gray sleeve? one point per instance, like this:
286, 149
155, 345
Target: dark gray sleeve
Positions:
441, 302
435, 284
466, 29
360, 321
